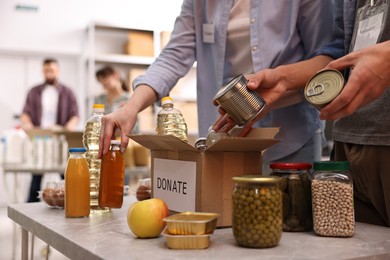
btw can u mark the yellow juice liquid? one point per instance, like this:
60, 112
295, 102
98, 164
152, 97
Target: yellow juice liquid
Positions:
77, 191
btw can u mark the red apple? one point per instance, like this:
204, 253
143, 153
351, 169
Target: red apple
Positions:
145, 218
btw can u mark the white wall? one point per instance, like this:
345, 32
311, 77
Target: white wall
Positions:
59, 25
58, 28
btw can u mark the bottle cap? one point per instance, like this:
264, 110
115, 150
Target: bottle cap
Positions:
117, 142
77, 150
98, 107
166, 100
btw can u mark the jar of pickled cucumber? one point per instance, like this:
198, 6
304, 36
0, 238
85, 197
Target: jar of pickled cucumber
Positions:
257, 211
332, 190
296, 192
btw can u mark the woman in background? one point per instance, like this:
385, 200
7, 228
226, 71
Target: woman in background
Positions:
116, 89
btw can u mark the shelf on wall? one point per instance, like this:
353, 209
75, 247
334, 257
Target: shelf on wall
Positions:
123, 59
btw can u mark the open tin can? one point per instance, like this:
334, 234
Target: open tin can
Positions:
323, 87
239, 102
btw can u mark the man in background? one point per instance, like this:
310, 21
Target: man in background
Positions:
49, 105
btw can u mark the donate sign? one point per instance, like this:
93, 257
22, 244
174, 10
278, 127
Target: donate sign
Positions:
175, 182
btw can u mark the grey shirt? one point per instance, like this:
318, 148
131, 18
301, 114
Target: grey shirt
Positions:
370, 125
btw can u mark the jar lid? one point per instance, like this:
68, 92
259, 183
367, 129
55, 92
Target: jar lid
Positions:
290, 165
77, 150
257, 179
331, 166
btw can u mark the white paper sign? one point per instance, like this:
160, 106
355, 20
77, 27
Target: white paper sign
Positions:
175, 182
368, 32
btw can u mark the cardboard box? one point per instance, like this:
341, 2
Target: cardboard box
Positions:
165, 36
190, 180
140, 43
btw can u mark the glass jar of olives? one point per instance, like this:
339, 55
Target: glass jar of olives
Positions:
257, 211
296, 192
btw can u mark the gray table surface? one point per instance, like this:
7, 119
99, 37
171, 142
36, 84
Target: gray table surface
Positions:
108, 237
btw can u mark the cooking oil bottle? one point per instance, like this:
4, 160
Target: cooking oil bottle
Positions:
170, 120
91, 137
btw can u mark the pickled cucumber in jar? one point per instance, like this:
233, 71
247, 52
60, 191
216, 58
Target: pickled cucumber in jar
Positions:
296, 189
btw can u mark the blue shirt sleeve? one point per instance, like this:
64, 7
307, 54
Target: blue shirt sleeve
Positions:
336, 48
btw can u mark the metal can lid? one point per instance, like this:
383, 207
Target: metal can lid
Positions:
77, 150
290, 165
230, 88
323, 87
257, 179
331, 166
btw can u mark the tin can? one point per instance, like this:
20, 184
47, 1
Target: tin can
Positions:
239, 102
323, 87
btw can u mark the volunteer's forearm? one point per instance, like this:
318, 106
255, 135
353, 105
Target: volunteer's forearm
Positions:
299, 73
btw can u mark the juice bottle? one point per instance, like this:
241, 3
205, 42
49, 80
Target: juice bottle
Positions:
77, 184
112, 177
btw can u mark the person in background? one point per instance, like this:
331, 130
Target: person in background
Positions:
116, 90
227, 38
361, 129
50, 105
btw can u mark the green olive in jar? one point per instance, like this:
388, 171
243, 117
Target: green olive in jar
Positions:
257, 211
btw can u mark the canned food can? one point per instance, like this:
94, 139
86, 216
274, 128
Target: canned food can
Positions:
239, 102
323, 87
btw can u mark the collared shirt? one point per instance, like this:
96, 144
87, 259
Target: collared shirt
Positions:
280, 32
67, 105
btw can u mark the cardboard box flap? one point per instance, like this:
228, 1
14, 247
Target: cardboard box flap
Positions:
241, 144
162, 143
263, 132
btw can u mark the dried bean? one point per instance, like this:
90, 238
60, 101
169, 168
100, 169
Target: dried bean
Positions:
333, 212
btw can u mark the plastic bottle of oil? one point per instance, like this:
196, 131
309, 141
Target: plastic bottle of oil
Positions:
91, 140
170, 120
112, 175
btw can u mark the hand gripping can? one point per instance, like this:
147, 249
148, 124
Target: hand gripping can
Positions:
323, 87
239, 102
